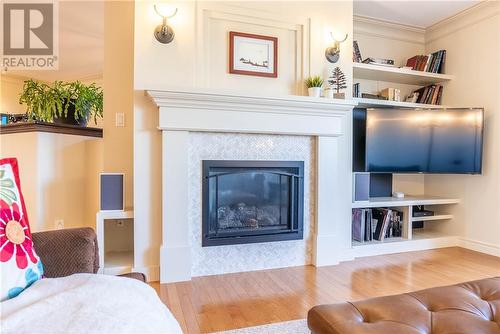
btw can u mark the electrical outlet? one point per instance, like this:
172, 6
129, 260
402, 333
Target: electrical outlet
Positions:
120, 119
120, 223
59, 224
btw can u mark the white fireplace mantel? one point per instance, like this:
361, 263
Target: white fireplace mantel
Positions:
330, 121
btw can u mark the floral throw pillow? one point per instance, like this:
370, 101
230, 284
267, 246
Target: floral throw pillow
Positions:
20, 266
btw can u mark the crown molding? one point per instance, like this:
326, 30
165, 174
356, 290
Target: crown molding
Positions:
480, 12
370, 26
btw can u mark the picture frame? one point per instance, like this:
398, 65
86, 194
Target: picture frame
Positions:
251, 54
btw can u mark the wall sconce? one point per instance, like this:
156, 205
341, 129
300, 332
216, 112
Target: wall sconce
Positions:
163, 32
332, 53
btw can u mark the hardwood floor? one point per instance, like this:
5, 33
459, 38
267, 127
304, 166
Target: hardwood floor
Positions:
222, 302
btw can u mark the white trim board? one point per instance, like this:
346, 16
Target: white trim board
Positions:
479, 246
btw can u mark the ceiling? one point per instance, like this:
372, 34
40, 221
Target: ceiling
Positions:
422, 14
81, 43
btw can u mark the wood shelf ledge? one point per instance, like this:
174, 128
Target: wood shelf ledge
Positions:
23, 127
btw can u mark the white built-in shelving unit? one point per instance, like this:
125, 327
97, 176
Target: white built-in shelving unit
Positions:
412, 239
115, 237
399, 76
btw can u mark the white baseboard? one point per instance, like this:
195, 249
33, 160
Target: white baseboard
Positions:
480, 246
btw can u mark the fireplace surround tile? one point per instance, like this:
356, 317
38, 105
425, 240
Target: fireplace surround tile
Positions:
247, 257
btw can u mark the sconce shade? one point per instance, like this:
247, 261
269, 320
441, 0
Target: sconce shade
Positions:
165, 11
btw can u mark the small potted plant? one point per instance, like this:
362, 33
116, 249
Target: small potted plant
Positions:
314, 85
70, 103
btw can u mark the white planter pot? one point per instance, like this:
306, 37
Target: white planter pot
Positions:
328, 93
314, 91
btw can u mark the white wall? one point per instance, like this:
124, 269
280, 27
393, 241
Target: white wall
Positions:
472, 41
198, 58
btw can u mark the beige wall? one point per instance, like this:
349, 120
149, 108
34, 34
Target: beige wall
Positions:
472, 41
10, 89
198, 58
58, 177
118, 91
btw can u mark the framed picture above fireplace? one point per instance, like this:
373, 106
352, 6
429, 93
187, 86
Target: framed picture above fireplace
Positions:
251, 54
252, 201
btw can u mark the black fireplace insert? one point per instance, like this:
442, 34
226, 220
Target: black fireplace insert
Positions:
252, 201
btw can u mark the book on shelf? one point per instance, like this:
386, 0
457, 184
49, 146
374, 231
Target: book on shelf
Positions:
373, 96
379, 61
356, 54
428, 95
392, 94
433, 62
355, 90
376, 224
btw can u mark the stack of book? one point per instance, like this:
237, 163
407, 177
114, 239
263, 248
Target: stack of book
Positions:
429, 95
433, 62
355, 90
376, 224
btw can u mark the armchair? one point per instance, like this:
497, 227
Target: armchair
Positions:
70, 251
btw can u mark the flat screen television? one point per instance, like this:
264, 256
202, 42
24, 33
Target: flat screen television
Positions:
418, 141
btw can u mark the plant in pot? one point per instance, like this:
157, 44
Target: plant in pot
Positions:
63, 103
314, 85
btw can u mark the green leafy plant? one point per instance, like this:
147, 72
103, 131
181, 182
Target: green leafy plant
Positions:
45, 102
314, 81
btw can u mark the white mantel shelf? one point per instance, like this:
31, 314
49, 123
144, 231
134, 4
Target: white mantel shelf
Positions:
215, 111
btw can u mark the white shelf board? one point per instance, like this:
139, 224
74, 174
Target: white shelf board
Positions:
377, 202
374, 103
422, 240
126, 214
398, 75
430, 218
118, 262
376, 242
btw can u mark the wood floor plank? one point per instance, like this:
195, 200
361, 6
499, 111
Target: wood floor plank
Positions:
223, 302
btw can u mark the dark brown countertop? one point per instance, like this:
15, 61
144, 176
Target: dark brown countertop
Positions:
51, 128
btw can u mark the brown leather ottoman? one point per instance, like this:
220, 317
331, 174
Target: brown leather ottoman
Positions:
472, 307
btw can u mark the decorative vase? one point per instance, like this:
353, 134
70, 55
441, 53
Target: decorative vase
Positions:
339, 95
328, 93
314, 91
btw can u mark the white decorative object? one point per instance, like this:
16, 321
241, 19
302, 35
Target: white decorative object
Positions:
329, 122
314, 91
328, 93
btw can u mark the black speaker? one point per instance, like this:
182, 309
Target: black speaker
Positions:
361, 187
112, 192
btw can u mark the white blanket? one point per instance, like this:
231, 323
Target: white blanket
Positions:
86, 303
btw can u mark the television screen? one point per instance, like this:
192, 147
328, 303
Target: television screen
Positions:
424, 141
